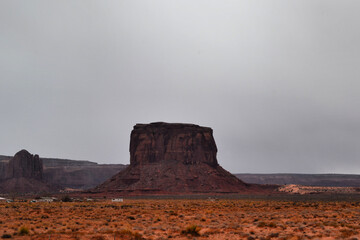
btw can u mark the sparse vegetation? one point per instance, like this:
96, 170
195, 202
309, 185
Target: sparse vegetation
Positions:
23, 231
99, 237
181, 219
128, 234
192, 230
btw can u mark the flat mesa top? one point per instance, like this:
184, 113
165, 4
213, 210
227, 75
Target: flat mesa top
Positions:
170, 126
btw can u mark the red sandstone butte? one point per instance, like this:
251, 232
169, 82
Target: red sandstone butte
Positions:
23, 174
173, 158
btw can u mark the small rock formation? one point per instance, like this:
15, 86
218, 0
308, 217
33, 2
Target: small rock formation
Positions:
24, 174
173, 158
65, 173
26, 165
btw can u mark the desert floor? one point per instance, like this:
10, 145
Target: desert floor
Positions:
181, 219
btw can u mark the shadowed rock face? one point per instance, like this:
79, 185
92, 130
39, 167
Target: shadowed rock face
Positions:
3, 169
24, 174
26, 165
64, 173
161, 142
173, 158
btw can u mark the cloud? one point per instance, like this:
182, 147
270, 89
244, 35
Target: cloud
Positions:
276, 80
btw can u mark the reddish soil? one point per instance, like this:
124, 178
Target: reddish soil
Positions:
181, 219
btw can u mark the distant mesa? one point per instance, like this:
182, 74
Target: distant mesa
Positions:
25, 165
74, 174
55, 172
318, 180
23, 173
173, 158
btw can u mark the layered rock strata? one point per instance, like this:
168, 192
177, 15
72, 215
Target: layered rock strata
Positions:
26, 165
173, 158
65, 173
24, 174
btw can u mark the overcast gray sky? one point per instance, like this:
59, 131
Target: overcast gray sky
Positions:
278, 81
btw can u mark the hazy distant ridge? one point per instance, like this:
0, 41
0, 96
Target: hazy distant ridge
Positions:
2, 158
58, 162
84, 174
68, 173
328, 180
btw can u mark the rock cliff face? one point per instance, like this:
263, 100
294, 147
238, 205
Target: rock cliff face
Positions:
160, 142
26, 165
173, 158
24, 174
3, 166
65, 173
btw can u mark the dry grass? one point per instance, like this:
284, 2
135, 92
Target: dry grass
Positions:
181, 219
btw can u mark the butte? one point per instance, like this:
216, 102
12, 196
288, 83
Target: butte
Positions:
23, 174
173, 158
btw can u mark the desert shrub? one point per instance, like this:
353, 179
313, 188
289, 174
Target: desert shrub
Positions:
261, 224
6, 236
332, 224
171, 213
272, 225
98, 238
126, 206
345, 233
192, 230
66, 198
127, 234
23, 231
273, 235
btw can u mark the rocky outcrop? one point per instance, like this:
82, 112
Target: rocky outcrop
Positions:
25, 165
24, 174
173, 159
65, 173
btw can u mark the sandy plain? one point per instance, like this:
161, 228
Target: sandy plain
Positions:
181, 219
